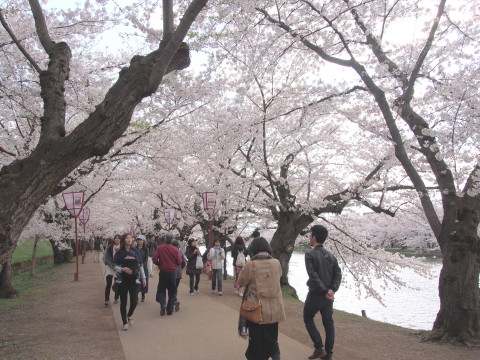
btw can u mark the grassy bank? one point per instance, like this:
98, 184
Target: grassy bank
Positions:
24, 250
27, 286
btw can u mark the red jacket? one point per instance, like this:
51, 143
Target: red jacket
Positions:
167, 257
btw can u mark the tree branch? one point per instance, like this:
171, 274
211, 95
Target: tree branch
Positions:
19, 45
41, 26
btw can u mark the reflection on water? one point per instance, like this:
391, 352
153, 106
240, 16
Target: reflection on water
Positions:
410, 308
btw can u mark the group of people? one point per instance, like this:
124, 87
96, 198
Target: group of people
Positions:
257, 280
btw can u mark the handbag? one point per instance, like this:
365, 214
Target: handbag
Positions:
248, 310
199, 262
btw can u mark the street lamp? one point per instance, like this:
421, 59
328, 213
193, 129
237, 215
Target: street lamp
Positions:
169, 217
84, 217
209, 203
74, 205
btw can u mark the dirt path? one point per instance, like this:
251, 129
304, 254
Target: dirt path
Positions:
58, 318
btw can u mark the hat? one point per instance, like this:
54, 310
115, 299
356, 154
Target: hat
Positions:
141, 237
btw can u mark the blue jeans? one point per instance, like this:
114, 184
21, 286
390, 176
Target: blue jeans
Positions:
217, 275
318, 303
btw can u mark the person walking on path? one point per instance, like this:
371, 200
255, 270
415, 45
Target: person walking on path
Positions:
152, 246
143, 251
324, 277
180, 267
192, 253
264, 271
239, 254
109, 271
98, 248
216, 255
130, 260
167, 257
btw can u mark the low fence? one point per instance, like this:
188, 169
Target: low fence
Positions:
24, 266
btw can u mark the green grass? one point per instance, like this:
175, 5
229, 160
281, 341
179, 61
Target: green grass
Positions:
24, 250
26, 285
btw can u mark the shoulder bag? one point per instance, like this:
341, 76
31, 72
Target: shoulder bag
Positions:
248, 310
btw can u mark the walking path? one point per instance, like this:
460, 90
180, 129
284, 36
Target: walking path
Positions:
203, 329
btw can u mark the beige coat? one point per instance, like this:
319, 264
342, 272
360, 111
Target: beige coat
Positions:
268, 273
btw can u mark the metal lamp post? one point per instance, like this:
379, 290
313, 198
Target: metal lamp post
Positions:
74, 205
209, 203
84, 217
169, 217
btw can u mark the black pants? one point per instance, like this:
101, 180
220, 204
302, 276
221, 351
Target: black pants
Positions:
177, 282
128, 286
167, 282
262, 341
108, 286
318, 303
197, 281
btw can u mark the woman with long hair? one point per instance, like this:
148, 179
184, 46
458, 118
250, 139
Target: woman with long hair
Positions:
261, 276
239, 254
110, 268
191, 253
128, 262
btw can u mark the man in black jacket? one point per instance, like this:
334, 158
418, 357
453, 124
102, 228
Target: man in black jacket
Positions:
324, 276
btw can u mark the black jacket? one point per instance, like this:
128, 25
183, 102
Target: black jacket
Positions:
323, 271
152, 246
191, 261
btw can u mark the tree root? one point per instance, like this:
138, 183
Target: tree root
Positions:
8, 292
443, 336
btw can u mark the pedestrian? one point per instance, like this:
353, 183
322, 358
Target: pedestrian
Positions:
216, 255
239, 254
261, 276
143, 251
152, 246
110, 272
167, 257
179, 273
98, 248
324, 277
192, 253
130, 258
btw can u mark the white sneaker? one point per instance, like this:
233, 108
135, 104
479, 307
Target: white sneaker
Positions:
197, 292
192, 294
125, 327
213, 291
130, 321
220, 293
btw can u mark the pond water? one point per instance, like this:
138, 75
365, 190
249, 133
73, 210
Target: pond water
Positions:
406, 307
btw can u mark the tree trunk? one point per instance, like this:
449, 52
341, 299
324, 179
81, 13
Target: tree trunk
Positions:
61, 252
34, 256
459, 314
290, 225
6, 288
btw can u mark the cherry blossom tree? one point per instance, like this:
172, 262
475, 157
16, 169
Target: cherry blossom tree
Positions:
60, 146
423, 91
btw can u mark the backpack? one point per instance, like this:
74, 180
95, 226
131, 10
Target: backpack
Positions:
240, 259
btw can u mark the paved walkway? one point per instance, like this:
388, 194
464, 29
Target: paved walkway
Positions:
202, 329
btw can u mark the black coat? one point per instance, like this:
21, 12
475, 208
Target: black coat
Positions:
192, 261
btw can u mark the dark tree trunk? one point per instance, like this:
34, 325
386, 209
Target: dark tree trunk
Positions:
459, 315
6, 288
290, 225
34, 256
61, 252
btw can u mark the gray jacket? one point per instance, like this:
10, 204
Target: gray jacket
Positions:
323, 271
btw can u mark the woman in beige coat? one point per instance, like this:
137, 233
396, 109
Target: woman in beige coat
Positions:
263, 338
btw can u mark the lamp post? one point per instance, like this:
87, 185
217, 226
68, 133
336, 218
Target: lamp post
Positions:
209, 203
169, 217
74, 205
84, 217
